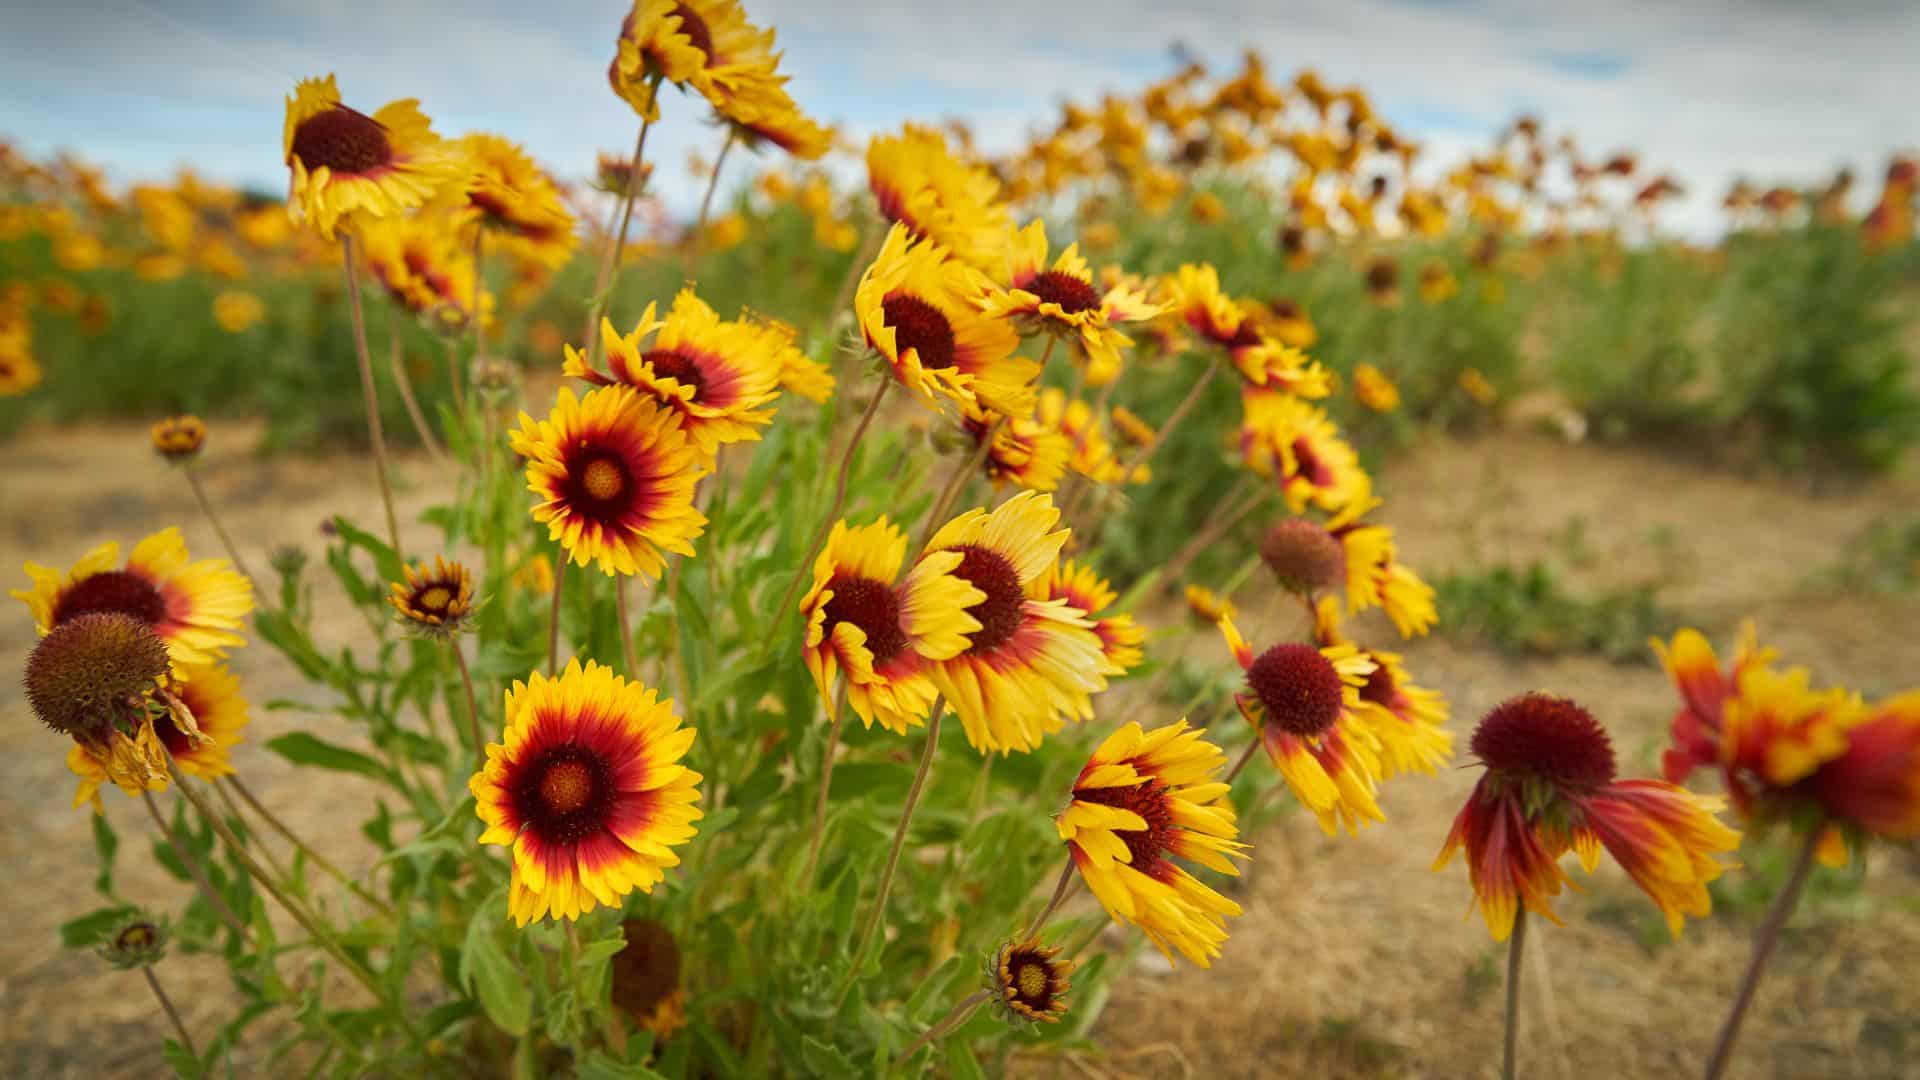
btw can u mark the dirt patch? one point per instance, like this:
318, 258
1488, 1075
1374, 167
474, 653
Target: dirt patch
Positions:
1352, 960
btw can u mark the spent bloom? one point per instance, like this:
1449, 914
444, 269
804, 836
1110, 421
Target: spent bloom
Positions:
1550, 787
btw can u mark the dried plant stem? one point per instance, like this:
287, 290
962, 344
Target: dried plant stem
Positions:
398, 362
945, 1025
1061, 890
626, 625
833, 514
233, 810
1180, 412
553, 617
609, 272
1763, 944
1240, 763
872, 235
697, 245
956, 483
166, 1006
1218, 527
372, 397
194, 869
1516, 946
878, 914
455, 374
326, 865
826, 783
473, 703
322, 935
213, 519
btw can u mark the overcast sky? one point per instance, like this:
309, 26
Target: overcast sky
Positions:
1779, 92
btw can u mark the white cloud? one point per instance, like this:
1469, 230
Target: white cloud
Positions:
1709, 90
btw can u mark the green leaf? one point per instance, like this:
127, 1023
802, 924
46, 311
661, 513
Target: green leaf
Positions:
106, 843
824, 1060
182, 1061
562, 1020
960, 1062
598, 1065
302, 748
93, 927
486, 970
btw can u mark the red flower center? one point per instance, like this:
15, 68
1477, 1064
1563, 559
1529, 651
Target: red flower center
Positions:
1073, 295
563, 795
1147, 846
119, 591
597, 478
1380, 689
679, 366
919, 326
1548, 737
1004, 609
1299, 689
695, 28
871, 606
343, 141
1308, 465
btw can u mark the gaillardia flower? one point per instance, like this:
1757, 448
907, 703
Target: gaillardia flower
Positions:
1082, 587
1300, 449
1550, 787
883, 635
434, 600
211, 697
718, 376
1027, 982
616, 477
1375, 576
1031, 661
1410, 721
673, 41
1305, 704
920, 310
588, 790
178, 439
1144, 798
194, 607
349, 167
508, 194
1024, 451
1062, 300
1786, 751
919, 184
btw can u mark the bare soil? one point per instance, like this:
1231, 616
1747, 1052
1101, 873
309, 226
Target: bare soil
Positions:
1352, 960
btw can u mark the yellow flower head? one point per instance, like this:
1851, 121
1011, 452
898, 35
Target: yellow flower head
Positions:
615, 474
1144, 799
195, 607
1032, 662
348, 167
1062, 299
507, 194
919, 184
587, 788
919, 309
719, 377
883, 634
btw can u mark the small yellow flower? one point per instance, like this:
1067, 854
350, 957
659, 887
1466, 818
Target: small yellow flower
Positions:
1374, 389
179, 438
237, 311
436, 600
1478, 388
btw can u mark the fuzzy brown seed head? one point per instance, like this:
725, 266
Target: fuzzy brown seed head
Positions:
91, 670
1298, 689
1304, 557
1548, 738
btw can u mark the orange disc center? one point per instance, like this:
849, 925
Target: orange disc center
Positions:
602, 479
566, 786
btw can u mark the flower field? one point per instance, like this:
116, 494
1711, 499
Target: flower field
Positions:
1211, 591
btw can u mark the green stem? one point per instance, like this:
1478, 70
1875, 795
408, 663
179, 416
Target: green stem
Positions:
877, 915
1763, 944
326, 866
609, 272
826, 784
1515, 949
371, 396
194, 869
166, 1005
699, 243
553, 617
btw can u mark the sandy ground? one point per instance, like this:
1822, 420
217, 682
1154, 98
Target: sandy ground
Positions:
1352, 960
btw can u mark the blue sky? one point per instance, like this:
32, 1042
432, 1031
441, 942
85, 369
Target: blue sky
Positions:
1776, 91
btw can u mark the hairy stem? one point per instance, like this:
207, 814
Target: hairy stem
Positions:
877, 915
1763, 944
194, 869
375, 431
